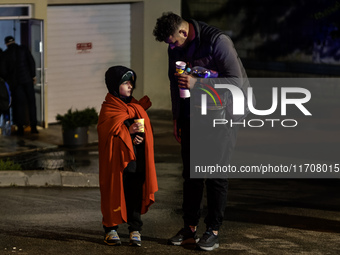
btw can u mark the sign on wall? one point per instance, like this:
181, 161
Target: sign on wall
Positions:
84, 47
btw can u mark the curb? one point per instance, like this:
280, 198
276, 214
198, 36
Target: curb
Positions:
48, 178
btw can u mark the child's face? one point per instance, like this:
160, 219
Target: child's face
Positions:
125, 89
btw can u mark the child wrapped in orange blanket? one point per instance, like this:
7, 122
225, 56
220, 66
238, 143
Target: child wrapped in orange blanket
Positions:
127, 172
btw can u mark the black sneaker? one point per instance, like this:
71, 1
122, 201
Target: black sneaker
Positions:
20, 131
209, 241
112, 238
184, 236
34, 130
135, 239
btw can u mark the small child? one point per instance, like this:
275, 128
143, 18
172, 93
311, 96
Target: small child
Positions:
127, 172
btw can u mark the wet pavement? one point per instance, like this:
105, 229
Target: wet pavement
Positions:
263, 216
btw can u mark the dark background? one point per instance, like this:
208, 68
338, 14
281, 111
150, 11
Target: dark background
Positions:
277, 38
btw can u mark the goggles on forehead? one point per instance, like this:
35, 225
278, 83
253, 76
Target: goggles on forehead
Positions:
129, 75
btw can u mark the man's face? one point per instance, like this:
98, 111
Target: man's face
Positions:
177, 40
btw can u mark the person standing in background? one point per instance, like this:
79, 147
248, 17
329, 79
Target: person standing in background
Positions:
5, 102
18, 70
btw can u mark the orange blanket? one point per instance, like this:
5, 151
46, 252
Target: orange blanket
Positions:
116, 151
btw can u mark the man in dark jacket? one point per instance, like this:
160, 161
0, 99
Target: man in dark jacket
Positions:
198, 44
18, 69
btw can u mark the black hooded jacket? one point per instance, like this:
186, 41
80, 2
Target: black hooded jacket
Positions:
18, 66
213, 50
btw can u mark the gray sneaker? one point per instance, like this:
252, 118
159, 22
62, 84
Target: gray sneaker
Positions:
135, 239
112, 238
209, 241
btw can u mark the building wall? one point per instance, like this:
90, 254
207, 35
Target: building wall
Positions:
155, 54
76, 77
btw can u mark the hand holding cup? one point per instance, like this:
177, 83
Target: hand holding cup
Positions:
137, 126
180, 69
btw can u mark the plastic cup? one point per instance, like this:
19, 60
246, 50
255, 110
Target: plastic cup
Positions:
141, 130
180, 67
184, 93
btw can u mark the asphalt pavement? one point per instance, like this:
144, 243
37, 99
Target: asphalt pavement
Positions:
263, 216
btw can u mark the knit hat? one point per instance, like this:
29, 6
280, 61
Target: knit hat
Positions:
116, 75
9, 39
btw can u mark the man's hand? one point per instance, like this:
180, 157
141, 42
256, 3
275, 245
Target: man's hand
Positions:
185, 81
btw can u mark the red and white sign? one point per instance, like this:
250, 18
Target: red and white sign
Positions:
84, 47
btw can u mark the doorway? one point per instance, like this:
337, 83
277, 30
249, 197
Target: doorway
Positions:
29, 32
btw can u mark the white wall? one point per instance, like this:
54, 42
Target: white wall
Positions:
76, 79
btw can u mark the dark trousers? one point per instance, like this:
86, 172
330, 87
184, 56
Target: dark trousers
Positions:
133, 190
193, 189
24, 98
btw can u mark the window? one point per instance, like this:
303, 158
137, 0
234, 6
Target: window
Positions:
15, 11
